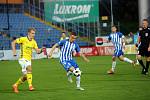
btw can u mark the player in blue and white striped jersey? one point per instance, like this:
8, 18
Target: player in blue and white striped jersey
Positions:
68, 49
118, 40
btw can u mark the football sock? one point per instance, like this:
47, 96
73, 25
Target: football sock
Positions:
78, 81
69, 73
19, 81
142, 64
128, 60
147, 65
137, 61
113, 65
29, 78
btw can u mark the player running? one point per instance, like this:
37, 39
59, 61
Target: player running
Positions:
26, 45
68, 48
118, 41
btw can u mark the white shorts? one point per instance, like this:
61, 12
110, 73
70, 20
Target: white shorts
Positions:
24, 64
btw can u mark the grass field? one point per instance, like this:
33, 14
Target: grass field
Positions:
49, 79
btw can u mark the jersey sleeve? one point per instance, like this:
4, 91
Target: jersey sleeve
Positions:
121, 35
77, 48
109, 37
35, 45
19, 40
140, 33
61, 42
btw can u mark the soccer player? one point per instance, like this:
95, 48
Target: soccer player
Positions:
27, 44
118, 41
63, 36
68, 49
144, 48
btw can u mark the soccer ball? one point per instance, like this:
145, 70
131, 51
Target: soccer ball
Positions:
77, 72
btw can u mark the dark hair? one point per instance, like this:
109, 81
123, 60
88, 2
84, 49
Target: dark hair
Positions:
63, 32
114, 26
145, 20
73, 33
31, 29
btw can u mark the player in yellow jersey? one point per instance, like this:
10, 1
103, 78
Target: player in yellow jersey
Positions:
27, 44
63, 36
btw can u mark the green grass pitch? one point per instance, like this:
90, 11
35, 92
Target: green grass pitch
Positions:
50, 81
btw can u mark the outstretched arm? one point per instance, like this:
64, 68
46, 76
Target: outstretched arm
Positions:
84, 57
53, 48
13, 45
38, 51
123, 42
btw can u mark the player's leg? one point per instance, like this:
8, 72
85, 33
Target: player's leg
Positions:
23, 78
29, 77
140, 55
69, 75
141, 63
122, 58
77, 73
112, 70
125, 59
147, 64
137, 61
68, 67
73, 67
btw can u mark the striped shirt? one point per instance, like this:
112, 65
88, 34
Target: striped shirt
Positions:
116, 39
67, 49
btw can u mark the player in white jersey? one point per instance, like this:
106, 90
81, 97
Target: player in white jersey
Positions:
118, 41
68, 49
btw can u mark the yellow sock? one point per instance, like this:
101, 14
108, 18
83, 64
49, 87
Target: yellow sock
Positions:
29, 79
19, 81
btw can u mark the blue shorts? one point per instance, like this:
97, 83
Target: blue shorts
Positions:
68, 64
118, 53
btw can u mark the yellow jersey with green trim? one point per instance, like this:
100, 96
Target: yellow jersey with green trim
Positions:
26, 47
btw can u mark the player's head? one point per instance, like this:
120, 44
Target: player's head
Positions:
31, 32
73, 37
114, 29
145, 23
63, 35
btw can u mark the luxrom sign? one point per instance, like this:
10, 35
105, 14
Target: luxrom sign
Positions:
69, 11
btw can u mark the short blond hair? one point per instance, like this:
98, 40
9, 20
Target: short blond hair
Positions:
31, 29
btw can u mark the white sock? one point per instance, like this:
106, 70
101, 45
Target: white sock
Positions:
78, 81
137, 61
69, 73
128, 60
113, 65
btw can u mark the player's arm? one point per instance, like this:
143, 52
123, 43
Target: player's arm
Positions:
109, 39
80, 53
123, 41
138, 41
149, 46
84, 57
139, 38
14, 42
13, 45
38, 51
52, 50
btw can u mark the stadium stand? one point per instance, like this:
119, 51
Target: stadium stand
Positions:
18, 25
